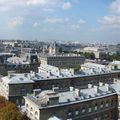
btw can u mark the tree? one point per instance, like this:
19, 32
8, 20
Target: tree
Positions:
2, 101
89, 55
9, 111
77, 67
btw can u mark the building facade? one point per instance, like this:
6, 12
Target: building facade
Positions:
94, 103
62, 61
14, 86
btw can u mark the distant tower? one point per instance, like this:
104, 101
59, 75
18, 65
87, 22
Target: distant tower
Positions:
53, 48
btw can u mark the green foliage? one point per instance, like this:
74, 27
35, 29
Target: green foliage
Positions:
112, 57
77, 67
89, 55
9, 111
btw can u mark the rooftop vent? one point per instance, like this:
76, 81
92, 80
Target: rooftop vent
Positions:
36, 91
77, 91
71, 88
95, 88
10, 76
55, 89
21, 79
100, 84
89, 85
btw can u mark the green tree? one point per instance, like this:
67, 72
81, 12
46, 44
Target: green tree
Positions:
77, 67
9, 111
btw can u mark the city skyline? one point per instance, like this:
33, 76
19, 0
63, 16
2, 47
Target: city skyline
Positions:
66, 20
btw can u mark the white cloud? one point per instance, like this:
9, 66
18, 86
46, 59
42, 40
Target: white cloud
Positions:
48, 9
53, 20
45, 4
66, 5
75, 27
110, 21
35, 24
41, 3
78, 24
81, 21
115, 6
16, 21
38, 2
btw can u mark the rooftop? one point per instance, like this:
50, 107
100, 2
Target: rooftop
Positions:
62, 55
115, 63
52, 98
16, 79
94, 68
16, 60
31, 77
54, 118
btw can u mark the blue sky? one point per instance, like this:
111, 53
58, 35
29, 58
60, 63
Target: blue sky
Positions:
67, 20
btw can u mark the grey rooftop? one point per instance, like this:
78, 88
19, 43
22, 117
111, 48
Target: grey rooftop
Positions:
43, 99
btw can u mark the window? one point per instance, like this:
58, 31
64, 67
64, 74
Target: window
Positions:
31, 115
101, 106
36, 118
112, 102
23, 101
69, 113
23, 91
119, 103
76, 112
95, 118
36, 113
83, 110
107, 104
31, 109
96, 107
27, 106
17, 101
89, 109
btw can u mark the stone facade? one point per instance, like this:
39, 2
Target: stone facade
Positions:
15, 92
78, 82
104, 107
62, 61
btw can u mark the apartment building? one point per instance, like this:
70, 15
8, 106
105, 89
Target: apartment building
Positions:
63, 61
14, 86
93, 103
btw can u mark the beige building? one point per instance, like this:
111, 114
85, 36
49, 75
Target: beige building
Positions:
115, 65
93, 103
99, 53
53, 49
62, 61
15, 86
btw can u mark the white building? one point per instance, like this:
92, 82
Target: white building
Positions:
55, 71
115, 65
94, 68
99, 53
92, 103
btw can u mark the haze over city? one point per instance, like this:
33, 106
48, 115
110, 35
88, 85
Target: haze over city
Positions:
79, 20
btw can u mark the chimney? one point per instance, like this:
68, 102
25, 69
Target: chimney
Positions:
71, 88
100, 84
89, 85
95, 88
77, 91
56, 89
36, 91
107, 86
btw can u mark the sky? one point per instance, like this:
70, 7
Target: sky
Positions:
66, 20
